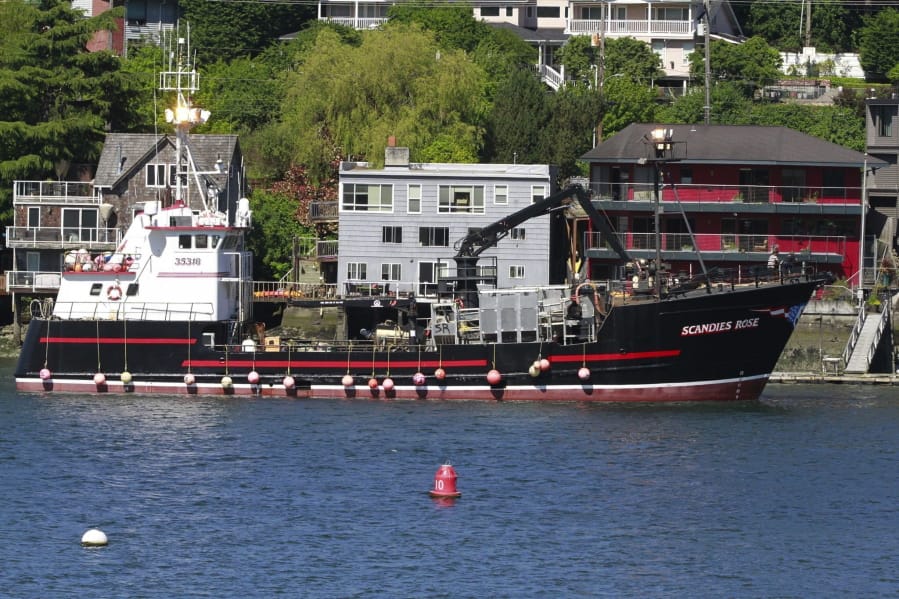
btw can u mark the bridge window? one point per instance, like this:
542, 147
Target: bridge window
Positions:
96, 288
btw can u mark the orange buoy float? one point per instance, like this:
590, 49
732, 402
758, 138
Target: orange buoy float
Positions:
445, 482
440, 374
494, 377
372, 383
544, 364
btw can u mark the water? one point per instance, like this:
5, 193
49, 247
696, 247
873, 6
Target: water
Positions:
794, 496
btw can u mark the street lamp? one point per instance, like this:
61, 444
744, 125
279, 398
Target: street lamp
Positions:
661, 141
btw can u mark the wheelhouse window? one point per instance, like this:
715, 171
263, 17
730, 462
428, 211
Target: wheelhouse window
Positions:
461, 199
433, 236
363, 197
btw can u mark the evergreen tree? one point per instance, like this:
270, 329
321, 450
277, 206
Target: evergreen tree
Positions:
879, 44
520, 113
57, 99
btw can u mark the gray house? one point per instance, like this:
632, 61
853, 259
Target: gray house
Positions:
399, 225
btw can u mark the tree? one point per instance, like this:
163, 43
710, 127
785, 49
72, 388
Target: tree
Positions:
57, 98
226, 30
623, 56
626, 101
573, 112
752, 64
728, 106
520, 113
347, 100
275, 225
878, 44
242, 95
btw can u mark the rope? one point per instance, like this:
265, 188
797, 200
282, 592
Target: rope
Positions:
47, 345
99, 368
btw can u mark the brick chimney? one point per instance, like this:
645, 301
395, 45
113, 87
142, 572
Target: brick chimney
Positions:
394, 156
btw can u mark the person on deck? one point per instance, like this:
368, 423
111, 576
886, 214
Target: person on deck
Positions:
774, 259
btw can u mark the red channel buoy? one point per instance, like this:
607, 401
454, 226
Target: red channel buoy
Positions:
445, 482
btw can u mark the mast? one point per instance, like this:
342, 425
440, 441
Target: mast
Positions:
183, 79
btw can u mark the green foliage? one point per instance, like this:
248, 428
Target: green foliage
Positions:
454, 27
520, 113
347, 100
227, 30
57, 99
831, 123
780, 25
242, 95
752, 64
634, 59
878, 44
142, 67
568, 134
626, 101
728, 106
275, 225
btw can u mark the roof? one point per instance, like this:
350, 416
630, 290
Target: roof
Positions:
731, 144
123, 153
553, 37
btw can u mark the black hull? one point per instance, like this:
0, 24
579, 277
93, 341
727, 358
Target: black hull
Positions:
718, 346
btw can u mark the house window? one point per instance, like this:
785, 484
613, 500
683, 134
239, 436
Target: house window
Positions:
517, 233
686, 175
671, 13
834, 183
363, 197
391, 272
413, 200
490, 11
34, 217
516, 271
501, 194
548, 12
883, 120
591, 13
391, 235
509, 11
793, 188
79, 224
160, 175
433, 236
538, 192
461, 199
356, 271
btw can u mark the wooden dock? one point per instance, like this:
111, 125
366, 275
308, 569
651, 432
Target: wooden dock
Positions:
807, 378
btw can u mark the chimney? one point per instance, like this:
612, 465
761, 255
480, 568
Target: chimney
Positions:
394, 156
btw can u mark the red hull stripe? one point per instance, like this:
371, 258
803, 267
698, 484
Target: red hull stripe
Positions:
642, 355
120, 341
316, 364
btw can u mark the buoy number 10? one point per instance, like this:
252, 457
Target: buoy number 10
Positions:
438, 485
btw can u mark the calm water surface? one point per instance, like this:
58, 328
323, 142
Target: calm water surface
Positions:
793, 496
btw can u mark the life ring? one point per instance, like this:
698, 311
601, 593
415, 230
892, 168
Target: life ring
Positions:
114, 293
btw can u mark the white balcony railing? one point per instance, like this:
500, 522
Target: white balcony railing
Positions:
34, 281
54, 192
357, 23
631, 27
62, 237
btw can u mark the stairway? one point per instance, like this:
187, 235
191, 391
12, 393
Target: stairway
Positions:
860, 360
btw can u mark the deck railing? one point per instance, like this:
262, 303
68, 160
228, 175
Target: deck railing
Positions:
629, 191
63, 237
54, 192
727, 243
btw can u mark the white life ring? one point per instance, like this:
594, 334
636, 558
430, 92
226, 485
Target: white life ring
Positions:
114, 293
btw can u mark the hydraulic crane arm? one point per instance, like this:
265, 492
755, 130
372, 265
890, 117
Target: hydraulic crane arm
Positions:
481, 240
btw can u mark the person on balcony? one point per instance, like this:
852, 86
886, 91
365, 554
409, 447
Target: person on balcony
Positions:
774, 259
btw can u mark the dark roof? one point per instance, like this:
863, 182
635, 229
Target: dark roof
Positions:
123, 153
553, 37
730, 144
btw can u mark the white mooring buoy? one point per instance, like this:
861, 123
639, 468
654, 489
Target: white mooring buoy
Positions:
94, 538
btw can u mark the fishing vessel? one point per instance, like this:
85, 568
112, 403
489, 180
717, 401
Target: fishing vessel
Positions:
171, 312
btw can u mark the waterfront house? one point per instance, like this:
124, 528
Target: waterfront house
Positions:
670, 27
399, 225
733, 192
52, 218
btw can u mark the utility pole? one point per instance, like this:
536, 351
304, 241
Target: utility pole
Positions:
600, 41
707, 109
808, 25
